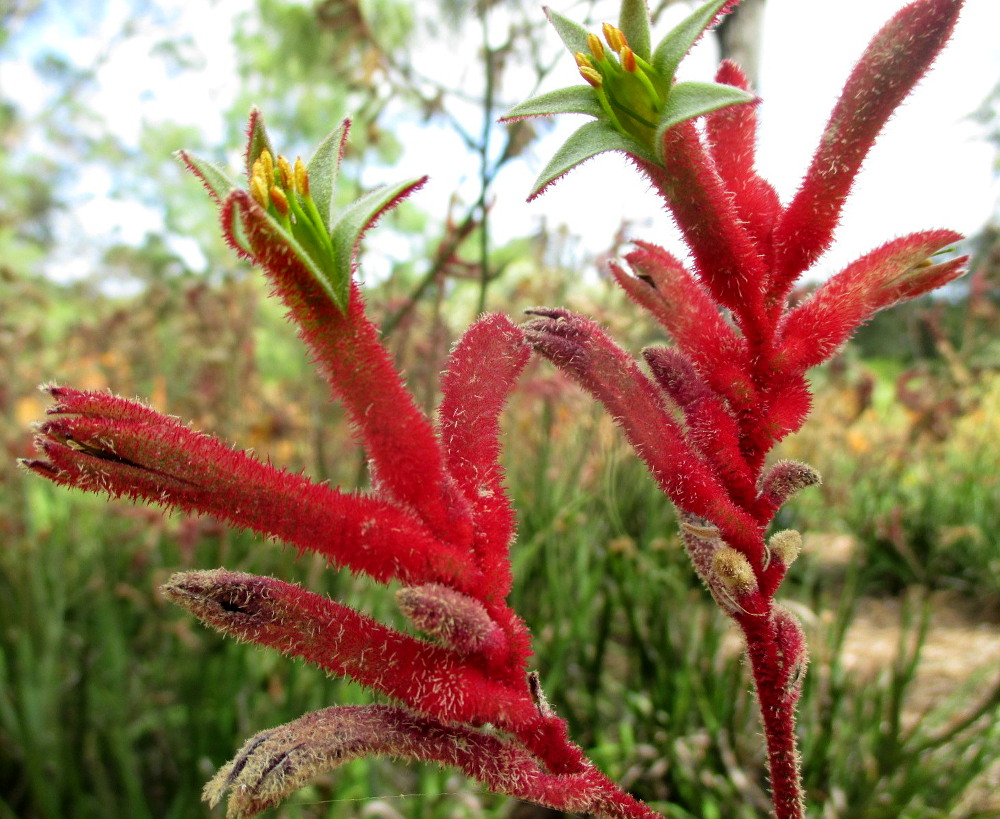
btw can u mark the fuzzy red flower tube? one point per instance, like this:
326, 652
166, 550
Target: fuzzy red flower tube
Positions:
714, 405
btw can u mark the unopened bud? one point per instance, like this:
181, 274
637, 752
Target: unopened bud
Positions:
279, 200
785, 546
301, 178
457, 620
591, 76
734, 570
259, 189
264, 164
785, 479
628, 59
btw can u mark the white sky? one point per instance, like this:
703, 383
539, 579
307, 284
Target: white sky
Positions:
931, 168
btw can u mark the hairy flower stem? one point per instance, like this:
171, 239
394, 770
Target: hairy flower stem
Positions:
777, 708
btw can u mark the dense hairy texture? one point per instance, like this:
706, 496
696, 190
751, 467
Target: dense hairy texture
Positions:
894, 61
734, 384
703, 415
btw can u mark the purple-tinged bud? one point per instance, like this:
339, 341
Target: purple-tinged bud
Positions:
273, 763
460, 622
785, 479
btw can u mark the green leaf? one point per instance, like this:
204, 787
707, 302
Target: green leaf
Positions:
257, 139
634, 23
213, 176
692, 99
592, 139
323, 169
235, 231
577, 99
270, 245
573, 35
679, 40
346, 233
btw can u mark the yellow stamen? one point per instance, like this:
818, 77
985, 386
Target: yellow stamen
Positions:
301, 178
258, 188
628, 59
582, 60
266, 166
284, 172
615, 37
596, 46
591, 76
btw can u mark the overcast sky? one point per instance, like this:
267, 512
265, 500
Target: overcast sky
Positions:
931, 168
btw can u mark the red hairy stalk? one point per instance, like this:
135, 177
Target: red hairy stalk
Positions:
696, 196
485, 364
398, 438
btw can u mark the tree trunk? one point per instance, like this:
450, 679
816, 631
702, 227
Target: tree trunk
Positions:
740, 35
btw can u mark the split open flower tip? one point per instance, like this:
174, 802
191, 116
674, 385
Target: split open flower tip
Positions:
287, 214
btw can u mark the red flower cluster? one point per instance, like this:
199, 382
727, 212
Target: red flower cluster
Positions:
713, 406
438, 521
703, 415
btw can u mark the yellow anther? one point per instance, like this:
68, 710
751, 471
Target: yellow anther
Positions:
591, 76
582, 60
258, 188
266, 166
284, 172
628, 59
596, 46
279, 200
615, 37
301, 178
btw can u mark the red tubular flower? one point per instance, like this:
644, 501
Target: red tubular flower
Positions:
687, 312
735, 383
578, 346
276, 762
732, 142
695, 193
429, 678
101, 443
711, 426
897, 271
482, 370
894, 61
